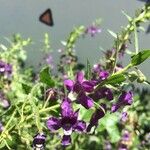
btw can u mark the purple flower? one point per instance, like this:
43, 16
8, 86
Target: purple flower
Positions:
124, 117
3, 101
69, 84
103, 93
66, 140
2, 67
49, 60
103, 75
68, 122
98, 114
108, 145
39, 141
125, 98
97, 68
92, 30
126, 136
1, 127
85, 100
123, 147
5, 69
81, 87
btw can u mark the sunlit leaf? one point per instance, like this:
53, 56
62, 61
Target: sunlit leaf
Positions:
140, 57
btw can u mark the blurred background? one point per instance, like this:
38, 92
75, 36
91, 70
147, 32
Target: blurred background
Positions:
19, 16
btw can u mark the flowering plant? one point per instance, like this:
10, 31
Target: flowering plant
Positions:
71, 108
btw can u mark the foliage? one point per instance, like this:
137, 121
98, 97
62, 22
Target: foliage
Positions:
101, 102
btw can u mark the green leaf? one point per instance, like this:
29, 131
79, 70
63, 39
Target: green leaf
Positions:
26, 88
113, 133
112, 33
128, 17
115, 79
2, 144
140, 57
88, 70
45, 77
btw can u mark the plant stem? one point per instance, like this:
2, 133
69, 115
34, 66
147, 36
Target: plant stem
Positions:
136, 39
44, 110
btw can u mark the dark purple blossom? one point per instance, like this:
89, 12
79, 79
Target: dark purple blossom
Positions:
68, 122
69, 84
85, 100
125, 98
92, 30
39, 141
98, 114
103, 93
81, 87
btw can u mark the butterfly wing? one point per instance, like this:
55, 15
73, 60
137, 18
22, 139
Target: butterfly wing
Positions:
47, 18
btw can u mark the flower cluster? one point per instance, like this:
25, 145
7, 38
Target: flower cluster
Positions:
68, 122
5, 69
89, 97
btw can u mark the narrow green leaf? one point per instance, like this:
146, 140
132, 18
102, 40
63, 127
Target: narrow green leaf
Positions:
116, 79
128, 17
140, 57
2, 144
112, 33
45, 77
88, 70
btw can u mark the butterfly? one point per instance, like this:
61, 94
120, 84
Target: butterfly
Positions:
47, 18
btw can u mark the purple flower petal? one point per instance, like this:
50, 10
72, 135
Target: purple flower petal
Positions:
103, 75
85, 101
126, 97
98, 114
104, 93
80, 126
77, 87
79, 77
124, 116
66, 140
88, 86
66, 108
114, 108
39, 139
69, 84
53, 123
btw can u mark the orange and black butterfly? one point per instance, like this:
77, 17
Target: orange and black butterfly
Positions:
47, 18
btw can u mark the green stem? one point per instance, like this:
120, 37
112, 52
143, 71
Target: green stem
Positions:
44, 110
136, 39
49, 96
116, 55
